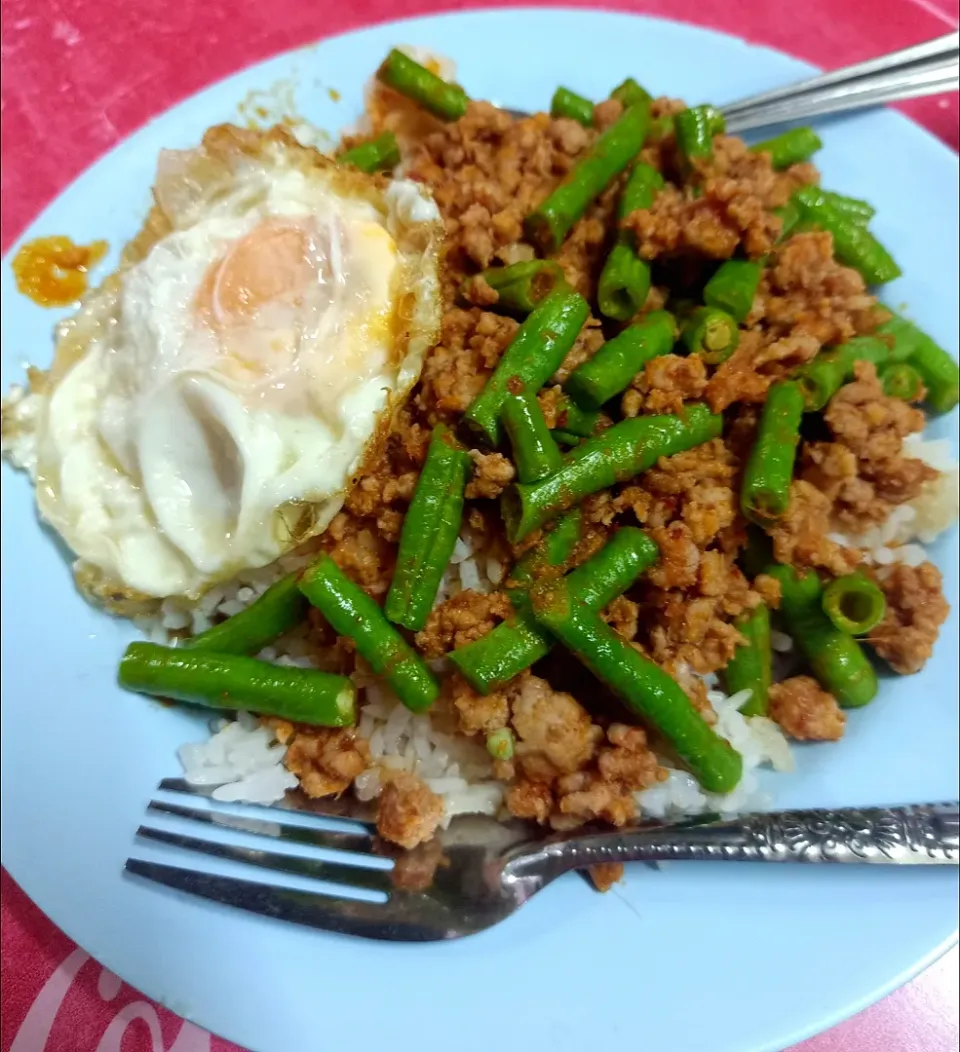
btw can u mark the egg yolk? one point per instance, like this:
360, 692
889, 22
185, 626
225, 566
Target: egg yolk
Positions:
308, 297
52, 271
271, 264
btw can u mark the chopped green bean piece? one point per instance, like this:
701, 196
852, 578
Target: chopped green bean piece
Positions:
694, 129
791, 147
820, 379
750, 668
535, 453
937, 369
834, 657
765, 491
661, 128
619, 360
710, 333
625, 280
235, 681
901, 380
429, 532
569, 104
521, 287
279, 609
733, 287
500, 744
379, 154
534, 355
854, 603
629, 93
615, 455
716, 120
791, 218
555, 547
860, 211
576, 421
416, 82
519, 642
350, 612
548, 225
853, 244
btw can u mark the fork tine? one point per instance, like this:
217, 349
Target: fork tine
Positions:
332, 872
368, 920
333, 839
343, 807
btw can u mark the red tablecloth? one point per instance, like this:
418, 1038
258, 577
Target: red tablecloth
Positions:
77, 77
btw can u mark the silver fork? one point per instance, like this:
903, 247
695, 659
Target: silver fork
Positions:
931, 68
478, 871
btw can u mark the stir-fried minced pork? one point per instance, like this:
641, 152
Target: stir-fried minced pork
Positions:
756, 365
455, 371
492, 473
460, 620
916, 609
559, 754
806, 292
326, 761
872, 426
554, 731
805, 711
479, 713
665, 384
802, 535
409, 813
605, 874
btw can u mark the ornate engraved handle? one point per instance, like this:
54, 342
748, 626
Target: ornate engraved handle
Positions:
927, 834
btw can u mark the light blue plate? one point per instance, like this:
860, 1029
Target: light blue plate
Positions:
710, 957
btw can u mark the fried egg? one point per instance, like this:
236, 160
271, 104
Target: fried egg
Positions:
209, 405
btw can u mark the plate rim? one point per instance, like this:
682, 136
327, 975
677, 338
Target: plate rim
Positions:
453, 14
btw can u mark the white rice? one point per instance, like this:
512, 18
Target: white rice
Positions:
242, 759
780, 642
457, 769
469, 569
246, 763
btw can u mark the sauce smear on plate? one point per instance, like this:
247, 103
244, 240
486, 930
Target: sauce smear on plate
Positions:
52, 271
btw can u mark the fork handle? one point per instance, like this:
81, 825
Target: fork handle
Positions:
926, 834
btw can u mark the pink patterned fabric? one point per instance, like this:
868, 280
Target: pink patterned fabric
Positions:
72, 88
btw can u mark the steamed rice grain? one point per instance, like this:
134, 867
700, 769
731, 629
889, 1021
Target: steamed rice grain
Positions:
243, 759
